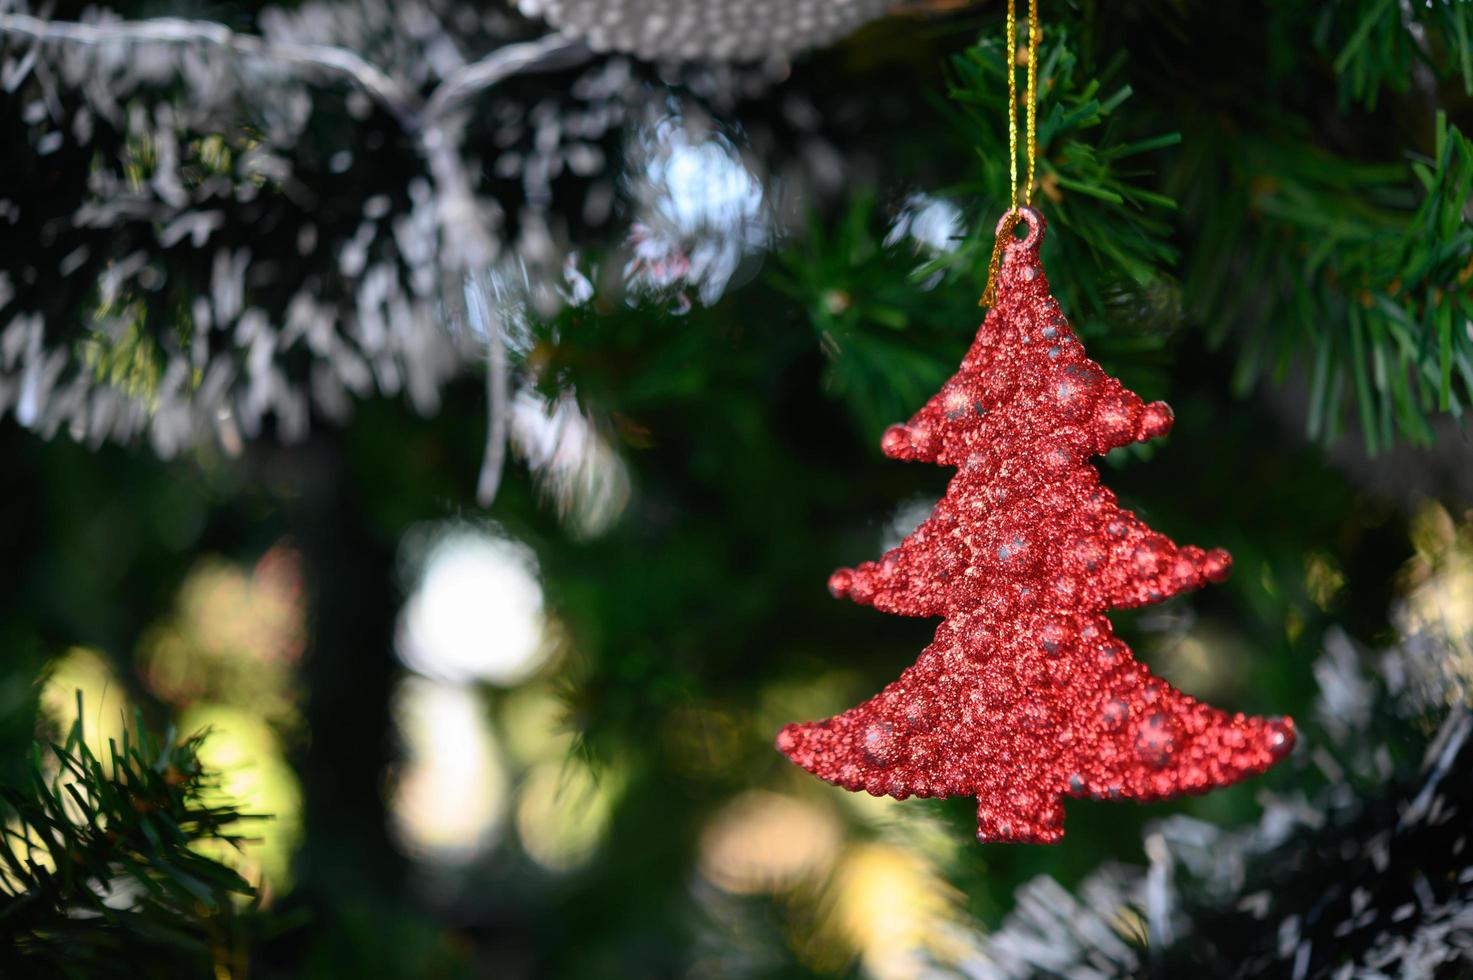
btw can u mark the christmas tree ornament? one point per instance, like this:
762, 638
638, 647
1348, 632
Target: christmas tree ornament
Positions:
1026, 695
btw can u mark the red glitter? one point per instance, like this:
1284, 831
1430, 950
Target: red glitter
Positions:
1026, 695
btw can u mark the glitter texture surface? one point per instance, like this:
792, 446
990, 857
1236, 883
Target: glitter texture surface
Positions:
1026, 695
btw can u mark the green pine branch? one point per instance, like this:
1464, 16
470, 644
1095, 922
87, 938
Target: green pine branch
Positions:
892, 323
1111, 230
889, 336
99, 875
1373, 45
1358, 274
1353, 274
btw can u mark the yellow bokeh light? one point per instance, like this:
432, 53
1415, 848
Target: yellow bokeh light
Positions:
563, 809
106, 715
888, 905
533, 725
106, 710
767, 842
1440, 579
234, 637
1323, 579
1435, 612
244, 756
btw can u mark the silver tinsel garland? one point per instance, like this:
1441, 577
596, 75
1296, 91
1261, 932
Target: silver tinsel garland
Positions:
1370, 878
224, 263
210, 232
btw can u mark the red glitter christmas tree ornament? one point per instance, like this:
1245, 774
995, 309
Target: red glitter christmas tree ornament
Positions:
1026, 695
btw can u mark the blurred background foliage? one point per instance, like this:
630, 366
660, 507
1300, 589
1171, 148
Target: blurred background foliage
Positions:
536, 740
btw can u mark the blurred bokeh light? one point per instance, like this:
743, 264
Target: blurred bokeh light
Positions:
476, 610
235, 637
563, 811
702, 210
450, 798
86, 674
767, 842
246, 753
1435, 611
890, 907
226, 658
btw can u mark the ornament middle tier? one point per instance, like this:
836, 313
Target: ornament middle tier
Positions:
1026, 695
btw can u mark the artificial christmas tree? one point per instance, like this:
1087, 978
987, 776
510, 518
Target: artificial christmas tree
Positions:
1026, 695
715, 285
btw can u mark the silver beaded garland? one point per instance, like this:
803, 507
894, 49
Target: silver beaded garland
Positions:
718, 30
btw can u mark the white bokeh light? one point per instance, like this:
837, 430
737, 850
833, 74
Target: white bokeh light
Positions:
700, 209
450, 798
476, 614
931, 223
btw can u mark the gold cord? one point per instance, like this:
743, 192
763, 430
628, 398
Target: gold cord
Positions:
1033, 39
1013, 106
1016, 200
